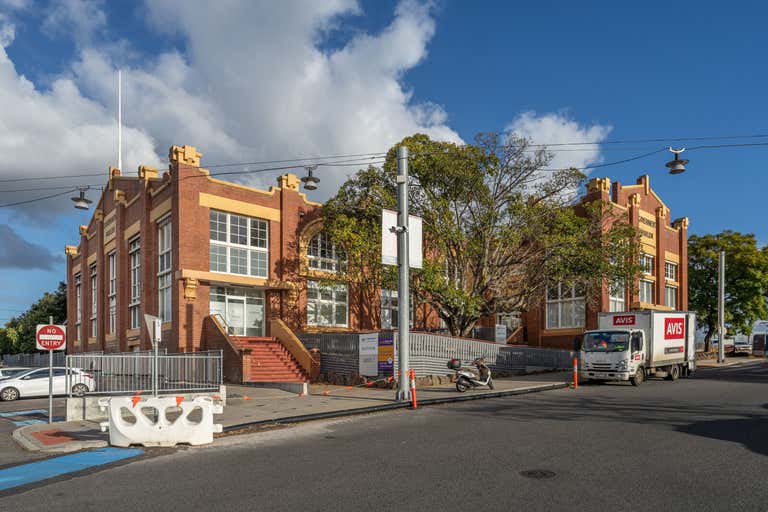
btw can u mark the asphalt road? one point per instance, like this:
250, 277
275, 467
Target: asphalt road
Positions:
698, 444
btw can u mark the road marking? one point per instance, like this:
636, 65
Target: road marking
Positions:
23, 413
57, 466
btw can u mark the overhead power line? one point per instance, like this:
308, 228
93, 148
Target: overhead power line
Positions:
19, 203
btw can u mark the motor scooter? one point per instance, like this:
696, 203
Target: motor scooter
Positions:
468, 377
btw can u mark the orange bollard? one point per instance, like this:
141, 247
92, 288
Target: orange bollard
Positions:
575, 373
413, 388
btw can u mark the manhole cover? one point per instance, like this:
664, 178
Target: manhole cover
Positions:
537, 474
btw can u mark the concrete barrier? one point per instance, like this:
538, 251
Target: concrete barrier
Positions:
87, 407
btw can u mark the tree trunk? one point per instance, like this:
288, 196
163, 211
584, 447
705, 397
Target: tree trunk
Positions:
708, 338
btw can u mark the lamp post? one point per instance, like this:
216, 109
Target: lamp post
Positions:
676, 166
81, 202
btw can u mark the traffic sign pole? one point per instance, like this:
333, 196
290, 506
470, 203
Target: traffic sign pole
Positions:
51, 337
50, 379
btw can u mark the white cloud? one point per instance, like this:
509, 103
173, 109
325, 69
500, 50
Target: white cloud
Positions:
554, 128
81, 19
57, 132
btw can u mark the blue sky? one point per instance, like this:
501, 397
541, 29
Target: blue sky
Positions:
276, 80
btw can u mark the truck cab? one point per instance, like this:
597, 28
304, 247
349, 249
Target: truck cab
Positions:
612, 354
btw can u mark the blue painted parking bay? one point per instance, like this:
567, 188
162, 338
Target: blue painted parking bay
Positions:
57, 466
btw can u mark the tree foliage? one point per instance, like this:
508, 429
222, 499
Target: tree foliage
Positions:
497, 227
18, 335
746, 281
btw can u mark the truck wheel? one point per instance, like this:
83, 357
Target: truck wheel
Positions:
673, 372
638, 378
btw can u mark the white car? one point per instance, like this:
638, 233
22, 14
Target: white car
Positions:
12, 371
35, 383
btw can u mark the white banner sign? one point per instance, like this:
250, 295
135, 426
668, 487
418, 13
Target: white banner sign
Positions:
389, 239
501, 333
369, 354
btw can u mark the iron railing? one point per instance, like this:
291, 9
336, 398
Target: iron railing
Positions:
131, 372
36, 360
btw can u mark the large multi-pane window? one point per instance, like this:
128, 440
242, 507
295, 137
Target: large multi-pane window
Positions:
134, 306
164, 278
646, 264
565, 306
94, 300
617, 298
646, 291
327, 305
323, 254
670, 271
79, 306
112, 292
670, 296
239, 245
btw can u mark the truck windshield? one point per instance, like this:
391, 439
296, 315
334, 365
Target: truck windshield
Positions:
606, 341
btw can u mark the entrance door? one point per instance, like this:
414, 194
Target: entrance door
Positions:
236, 314
242, 308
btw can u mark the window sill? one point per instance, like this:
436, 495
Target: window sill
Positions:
562, 331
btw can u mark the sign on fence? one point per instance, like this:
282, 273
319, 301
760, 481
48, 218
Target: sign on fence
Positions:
387, 354
389, 239
369, 354
500, 334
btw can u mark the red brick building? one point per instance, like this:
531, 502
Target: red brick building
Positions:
184, 245
564, 313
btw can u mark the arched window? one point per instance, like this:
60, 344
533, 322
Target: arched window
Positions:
325, 255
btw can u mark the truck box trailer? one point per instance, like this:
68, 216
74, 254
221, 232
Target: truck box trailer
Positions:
632, 345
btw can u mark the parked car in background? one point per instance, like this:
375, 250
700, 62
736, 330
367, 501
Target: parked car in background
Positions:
11, 371
35, 383
742, 347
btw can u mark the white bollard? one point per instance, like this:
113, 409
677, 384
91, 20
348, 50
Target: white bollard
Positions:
159, 431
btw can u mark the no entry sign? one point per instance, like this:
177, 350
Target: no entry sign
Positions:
51, 337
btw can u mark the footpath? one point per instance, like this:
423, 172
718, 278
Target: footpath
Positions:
257, 407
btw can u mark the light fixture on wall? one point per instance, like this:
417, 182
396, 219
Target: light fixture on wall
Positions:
81, 202
677, 166
310, 181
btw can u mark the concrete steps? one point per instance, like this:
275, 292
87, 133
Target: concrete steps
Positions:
270, 361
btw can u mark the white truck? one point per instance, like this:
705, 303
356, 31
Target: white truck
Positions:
633, 345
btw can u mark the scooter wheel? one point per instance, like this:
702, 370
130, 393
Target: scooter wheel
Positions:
462, 385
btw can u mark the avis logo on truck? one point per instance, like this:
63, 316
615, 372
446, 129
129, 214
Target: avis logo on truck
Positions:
674, 328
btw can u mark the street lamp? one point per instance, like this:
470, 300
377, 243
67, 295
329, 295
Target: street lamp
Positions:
310, 181
676, 166
81, 202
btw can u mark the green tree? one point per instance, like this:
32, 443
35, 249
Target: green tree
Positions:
18, 335
497, 227
746, 281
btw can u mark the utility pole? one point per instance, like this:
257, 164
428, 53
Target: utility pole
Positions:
403, 292
721, 308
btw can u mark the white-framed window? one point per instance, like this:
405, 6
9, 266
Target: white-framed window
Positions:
241, 308
670, 271
239, 245
565, 306
670, 296
390, 308
112, 292
327, 305
646, 291
617, 298
79, 306
94, 300
164, 262
134, 305
646, 263
323, 254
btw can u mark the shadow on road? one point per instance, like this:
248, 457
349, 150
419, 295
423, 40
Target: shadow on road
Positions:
749, 432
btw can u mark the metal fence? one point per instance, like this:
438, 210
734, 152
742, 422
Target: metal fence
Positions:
129, 372
429, 353
36, 360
